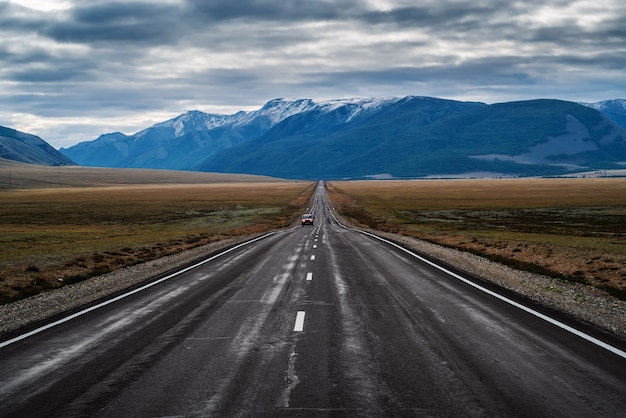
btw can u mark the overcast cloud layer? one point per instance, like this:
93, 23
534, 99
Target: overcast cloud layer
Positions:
72, 70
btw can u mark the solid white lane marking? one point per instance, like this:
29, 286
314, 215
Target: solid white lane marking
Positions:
539, 315
125, 295
309, 276
299, 326
313, 257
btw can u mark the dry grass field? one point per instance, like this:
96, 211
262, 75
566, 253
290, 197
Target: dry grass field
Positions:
14, 175
95, 224
574, 229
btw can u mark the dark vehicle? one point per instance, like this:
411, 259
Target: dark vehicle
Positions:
307, 219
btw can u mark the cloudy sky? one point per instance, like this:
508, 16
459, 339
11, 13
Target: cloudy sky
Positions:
71, 70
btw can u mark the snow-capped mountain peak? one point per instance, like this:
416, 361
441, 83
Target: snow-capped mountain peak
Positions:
195, 120
275, 111
615, 103
356, 106
614, 109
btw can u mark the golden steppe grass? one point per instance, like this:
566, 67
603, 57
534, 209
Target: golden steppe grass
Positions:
57, 235
574, 229
15, 175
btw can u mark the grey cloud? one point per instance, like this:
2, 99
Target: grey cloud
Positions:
24, 56
610, 32
116, 22
485, 21
133, 33
492, 71
78, 100
430, 16
597, 62
274, 10
19, 19
51, 74
570, 33
228, 77
615, 29
92, 21
114, 12
140, 22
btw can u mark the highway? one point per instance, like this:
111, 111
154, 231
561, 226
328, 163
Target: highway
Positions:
312, 321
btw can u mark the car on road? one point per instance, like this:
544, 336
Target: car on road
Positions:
308, 219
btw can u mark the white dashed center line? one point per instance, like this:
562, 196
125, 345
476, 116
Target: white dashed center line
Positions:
299, 321
313, 257
309, 276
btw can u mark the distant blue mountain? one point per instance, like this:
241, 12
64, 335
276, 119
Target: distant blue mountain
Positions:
183, 143
376, 137
420, 137
26, 148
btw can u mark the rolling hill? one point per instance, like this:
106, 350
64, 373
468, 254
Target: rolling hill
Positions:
17, 175
26, 148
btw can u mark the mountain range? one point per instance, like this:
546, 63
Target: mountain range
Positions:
377, 137
361, 138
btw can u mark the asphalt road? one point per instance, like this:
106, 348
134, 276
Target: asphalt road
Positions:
311, 321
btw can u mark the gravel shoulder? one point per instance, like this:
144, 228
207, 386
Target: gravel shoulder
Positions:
47, 304
583, 302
